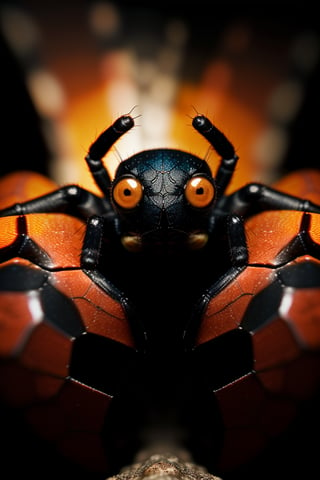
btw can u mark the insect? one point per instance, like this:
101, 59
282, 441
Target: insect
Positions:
164, 301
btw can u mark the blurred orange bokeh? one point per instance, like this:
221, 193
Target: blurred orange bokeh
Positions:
80, 86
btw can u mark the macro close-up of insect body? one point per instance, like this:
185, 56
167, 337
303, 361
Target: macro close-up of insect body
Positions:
164, 306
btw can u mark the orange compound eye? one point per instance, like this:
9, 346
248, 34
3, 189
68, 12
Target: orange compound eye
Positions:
199, 192
127, 193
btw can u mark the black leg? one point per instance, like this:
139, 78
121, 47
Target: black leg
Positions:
91, 250
223, 147
255, 197
71, 199
89, 261
237, 242
101, 146
238, 262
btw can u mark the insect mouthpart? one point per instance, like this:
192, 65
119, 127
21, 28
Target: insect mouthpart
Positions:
169, 241
132, 243
197, 240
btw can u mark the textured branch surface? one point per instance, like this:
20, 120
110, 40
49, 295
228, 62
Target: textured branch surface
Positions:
169, 465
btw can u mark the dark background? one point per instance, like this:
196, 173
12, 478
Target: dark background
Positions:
273, 26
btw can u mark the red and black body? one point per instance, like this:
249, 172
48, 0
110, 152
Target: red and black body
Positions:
162, 301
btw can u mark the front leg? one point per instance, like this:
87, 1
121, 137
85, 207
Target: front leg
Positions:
90, 264
70, 199
100, 148
238, 261
256, 197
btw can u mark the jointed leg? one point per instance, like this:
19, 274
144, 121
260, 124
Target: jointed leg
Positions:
91, 250
255, 197
237, 242
101, 146
223, 147
71, 199
238, 254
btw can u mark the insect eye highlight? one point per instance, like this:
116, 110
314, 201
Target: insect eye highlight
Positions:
199, 192
127, 192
